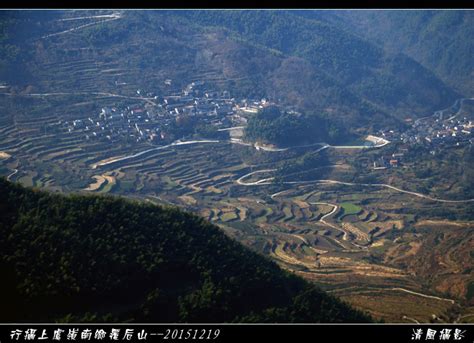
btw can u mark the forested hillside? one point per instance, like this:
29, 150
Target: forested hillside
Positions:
90, 258
390, 80
270, 125
311, 64
439, 40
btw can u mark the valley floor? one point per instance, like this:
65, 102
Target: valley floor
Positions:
373, 244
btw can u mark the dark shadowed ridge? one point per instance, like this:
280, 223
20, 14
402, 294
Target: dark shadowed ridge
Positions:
89, 258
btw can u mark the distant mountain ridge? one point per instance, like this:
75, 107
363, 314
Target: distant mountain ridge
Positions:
440, 40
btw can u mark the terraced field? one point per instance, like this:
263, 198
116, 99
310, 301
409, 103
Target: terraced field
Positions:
376, 245
351, 240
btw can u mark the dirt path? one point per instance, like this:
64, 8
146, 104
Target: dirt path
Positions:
411, 319
259, 182
279, 193
119, 159
323, 221
422, 295
444, 223
378, 289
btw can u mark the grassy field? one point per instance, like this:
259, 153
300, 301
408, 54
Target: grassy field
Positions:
350, 208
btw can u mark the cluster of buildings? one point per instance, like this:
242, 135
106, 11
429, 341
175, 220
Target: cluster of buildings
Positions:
434, 132
154, 121
392, 161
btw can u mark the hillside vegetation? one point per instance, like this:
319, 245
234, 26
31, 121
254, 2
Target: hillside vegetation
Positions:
310, 64
91, 258
389, 80
287, 129
439, 40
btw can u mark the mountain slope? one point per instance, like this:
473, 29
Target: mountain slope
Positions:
89, 258
439, 40
309, 64
392, 81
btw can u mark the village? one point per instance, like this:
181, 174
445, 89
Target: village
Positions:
433, 133
157, 122
172, 117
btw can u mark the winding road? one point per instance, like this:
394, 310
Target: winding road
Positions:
109, 17
268, 181
177, 143
113, 15
446, 109
105, 94
422, 295
323, 221
10, 175
382, 142
232, 128
259, 182
334, 209
460, 108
